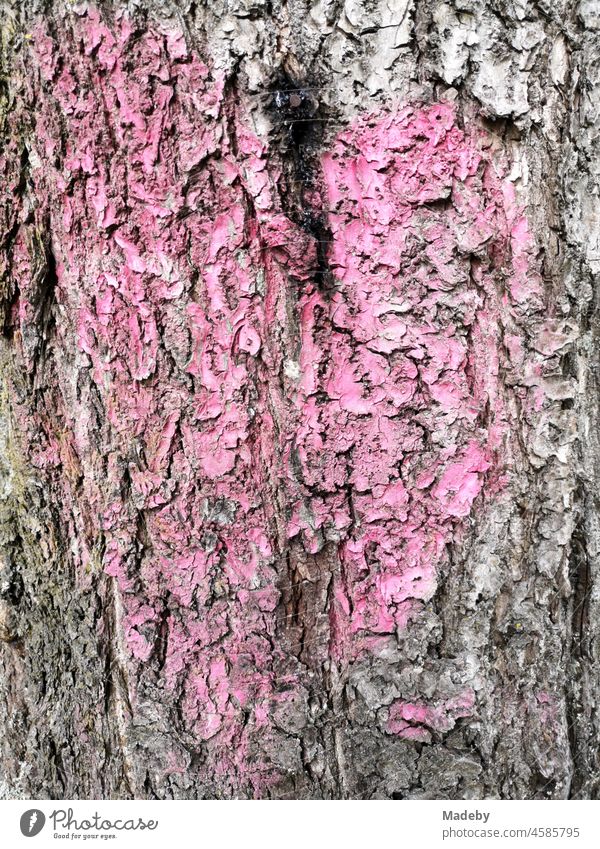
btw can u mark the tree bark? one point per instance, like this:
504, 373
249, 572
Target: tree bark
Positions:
299, 408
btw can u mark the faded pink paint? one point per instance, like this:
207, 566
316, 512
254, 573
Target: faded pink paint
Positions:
417, 721
181, 299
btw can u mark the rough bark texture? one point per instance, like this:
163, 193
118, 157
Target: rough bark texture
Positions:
299, 404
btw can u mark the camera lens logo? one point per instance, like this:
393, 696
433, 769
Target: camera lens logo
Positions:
32, 822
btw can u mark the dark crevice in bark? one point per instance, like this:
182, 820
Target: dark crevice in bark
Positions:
299, 119
11, 593
580, 579
44, 316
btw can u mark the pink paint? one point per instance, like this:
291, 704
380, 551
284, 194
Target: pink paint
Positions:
417, 720
404, 388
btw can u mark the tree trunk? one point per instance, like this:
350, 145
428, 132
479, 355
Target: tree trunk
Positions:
299, 407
